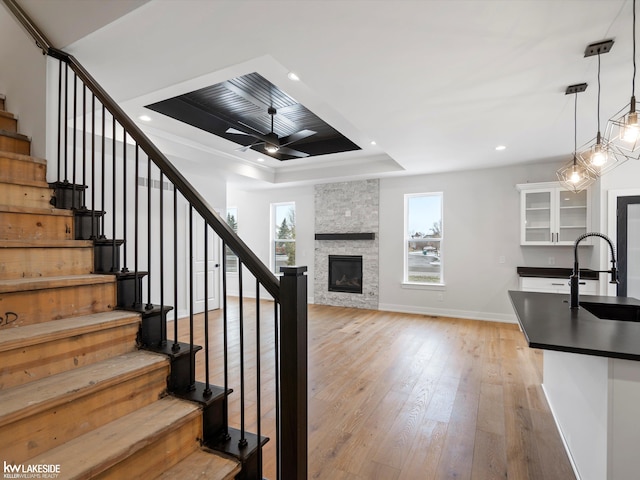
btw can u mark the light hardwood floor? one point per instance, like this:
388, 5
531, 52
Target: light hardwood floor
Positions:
399, 396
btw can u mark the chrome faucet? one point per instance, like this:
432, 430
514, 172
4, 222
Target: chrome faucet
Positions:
575, 277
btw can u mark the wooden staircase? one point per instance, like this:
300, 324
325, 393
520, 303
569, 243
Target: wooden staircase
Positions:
75, 391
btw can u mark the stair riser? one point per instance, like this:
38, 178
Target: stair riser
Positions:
25, 196
2, 105
28, 227
21, 170
51, 427
34, 262
15, 145
8, 124
164, 453
38, 306
26, 364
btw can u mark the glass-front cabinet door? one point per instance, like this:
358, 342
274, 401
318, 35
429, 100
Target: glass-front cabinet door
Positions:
537, 216
572, 215
551, 215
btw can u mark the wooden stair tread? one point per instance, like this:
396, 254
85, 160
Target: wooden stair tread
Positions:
203, 465
90, 454
23, 400
7, 115
22, 157
41, 283
26, 183
22, 336
36, 211
17, 136
46, 243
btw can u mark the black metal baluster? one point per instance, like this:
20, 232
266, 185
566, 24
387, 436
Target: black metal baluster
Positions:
163, 324
59, 119
93, 167
192, 365
66, 122
125, 267
176, 346
276, 337
73, 137
136, 288
207, 388
114, 267
103, 171
84, 142
149, 305
225, 347
242, 443
258, 396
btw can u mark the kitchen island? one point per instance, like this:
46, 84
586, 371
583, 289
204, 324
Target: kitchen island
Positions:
591, 377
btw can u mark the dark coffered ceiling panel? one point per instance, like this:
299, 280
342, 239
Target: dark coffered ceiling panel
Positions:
252, 112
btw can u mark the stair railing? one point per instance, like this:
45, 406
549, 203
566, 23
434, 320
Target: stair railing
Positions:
114, 161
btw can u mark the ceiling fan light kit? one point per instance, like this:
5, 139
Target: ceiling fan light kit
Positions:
274, 144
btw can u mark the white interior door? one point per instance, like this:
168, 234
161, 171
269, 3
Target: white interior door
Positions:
211, 268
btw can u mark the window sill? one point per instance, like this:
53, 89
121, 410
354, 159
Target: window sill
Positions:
423, 286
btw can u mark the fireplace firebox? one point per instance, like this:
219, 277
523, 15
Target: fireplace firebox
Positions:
345, 273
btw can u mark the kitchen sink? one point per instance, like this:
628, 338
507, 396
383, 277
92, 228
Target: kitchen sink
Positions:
605, 311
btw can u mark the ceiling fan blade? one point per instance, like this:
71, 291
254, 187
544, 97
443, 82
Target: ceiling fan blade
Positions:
296, 137
248, 147
292, 153
235, 131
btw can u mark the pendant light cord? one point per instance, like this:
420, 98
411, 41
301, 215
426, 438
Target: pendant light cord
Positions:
598, 141
633, 81
575, 128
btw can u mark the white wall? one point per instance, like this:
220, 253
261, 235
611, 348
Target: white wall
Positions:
254, 226
23, 80
481, 224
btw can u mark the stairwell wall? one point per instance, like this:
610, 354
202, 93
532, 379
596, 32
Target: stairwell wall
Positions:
24, 82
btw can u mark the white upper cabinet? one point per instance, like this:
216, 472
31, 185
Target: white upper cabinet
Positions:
552, 215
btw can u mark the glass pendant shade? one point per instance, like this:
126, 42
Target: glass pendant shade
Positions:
600, 156
623, 131
575, 176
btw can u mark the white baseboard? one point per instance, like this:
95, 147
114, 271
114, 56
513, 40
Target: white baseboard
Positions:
445, 312
564, 441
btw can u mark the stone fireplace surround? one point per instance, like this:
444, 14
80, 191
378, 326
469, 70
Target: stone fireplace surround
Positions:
346, 223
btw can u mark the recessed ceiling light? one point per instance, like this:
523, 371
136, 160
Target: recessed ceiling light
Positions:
260, 159
145, 118
293, 76
500, 147
373, 142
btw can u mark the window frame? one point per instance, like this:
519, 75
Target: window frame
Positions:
412, 284
237, 262
273, 239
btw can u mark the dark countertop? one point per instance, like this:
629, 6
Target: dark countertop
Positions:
548, 323
556, 272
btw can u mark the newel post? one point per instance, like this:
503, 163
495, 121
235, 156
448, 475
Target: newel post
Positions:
293, 373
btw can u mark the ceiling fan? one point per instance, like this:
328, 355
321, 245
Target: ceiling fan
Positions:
272, 142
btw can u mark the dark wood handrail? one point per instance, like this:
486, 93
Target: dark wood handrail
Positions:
231, 239
41, 40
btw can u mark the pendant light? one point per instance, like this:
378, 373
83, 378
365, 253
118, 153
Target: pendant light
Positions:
624, 130
574, 176
600, 156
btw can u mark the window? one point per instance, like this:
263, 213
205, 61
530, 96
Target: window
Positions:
283, 235
232, 221
423, 238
